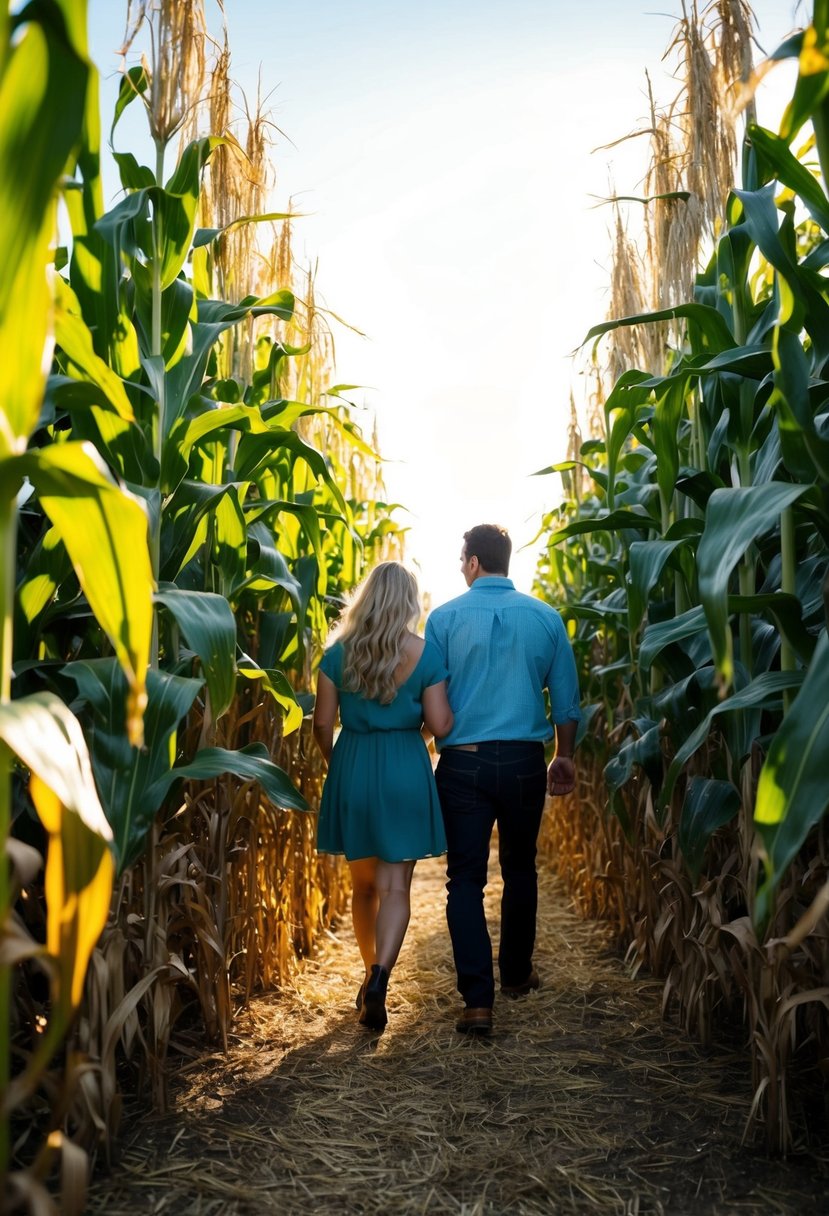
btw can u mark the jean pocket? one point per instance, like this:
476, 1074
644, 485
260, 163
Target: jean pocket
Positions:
458, 784
532, 790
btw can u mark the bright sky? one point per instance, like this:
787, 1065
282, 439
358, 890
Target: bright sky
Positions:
443, 152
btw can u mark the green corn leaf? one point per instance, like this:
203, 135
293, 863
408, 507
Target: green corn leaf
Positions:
261, 451
812, 84
177, 312
75, 341
42, 107
48, 566
127, 228
564, 466
132, 781
786, 611
187, 432
645, 752
307, 516
177, 204
805, 451
711, 325
134, 176
134, 83
764, 692
614, 521
752, 361
647, 561
252, 763
206, 236
214, 317
229, 540
801, 301
622, 411
209, 628
734, 518
708, 805
732, 261
786, 168
183, 517
585, 612
664, 633
698, 487
666, 417
268, 567
104, 530
792, 793
285, 413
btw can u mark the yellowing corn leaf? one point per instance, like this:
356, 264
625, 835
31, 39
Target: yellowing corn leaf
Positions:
47, 737
79, 873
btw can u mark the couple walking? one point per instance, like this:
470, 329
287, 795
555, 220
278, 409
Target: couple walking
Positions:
477, 684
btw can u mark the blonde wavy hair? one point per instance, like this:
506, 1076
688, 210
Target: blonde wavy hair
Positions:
373, 628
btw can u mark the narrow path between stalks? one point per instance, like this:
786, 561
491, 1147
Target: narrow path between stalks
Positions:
583, 1101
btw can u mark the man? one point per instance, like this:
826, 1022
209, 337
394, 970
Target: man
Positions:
502, 649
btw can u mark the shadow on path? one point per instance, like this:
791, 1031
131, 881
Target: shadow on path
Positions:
583, 1101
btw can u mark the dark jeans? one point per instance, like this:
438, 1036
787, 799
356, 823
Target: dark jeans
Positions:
503, 783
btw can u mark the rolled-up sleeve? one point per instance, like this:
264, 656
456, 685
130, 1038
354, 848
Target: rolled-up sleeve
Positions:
562, 679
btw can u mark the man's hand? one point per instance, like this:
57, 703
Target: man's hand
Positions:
561, 776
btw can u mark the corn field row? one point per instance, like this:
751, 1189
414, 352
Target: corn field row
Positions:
692, 554
175, 542
185, 495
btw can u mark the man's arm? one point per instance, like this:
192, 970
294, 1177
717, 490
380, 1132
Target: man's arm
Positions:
561, 775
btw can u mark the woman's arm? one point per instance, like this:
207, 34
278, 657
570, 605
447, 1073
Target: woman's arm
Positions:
437, 712
325, 714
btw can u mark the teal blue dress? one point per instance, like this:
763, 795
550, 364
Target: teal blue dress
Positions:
380, 798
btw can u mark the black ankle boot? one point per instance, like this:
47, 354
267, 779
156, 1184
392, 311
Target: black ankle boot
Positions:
373, 1013
360, 991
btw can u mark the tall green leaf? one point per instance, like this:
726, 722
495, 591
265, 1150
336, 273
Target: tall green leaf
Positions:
765, 692
131, 780
708, 805
42, 101
209, 628
793, 793
251, 762
647, 561
733, 519
105, 533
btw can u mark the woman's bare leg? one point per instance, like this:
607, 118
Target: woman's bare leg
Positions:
393, 882
364, 905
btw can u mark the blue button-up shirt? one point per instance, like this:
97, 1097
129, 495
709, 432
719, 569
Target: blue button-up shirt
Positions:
502, 649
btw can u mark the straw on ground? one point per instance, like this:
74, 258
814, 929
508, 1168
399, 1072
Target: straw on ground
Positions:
582, 1102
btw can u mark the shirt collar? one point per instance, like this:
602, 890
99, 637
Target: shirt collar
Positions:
492, 582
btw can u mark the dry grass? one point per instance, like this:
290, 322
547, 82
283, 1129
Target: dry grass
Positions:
582, 1102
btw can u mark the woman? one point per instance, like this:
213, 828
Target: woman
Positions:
380, 805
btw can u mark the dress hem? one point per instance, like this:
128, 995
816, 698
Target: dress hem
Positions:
388, 860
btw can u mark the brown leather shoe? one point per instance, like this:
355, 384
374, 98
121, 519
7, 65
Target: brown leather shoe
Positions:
475, 1022
513, 990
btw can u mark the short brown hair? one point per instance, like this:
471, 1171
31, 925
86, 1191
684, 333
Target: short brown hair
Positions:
491, 545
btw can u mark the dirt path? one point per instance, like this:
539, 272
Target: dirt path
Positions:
583, 1101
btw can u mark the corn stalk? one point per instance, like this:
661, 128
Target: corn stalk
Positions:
713, 472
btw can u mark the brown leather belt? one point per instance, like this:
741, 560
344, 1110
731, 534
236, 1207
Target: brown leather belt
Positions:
474, 747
